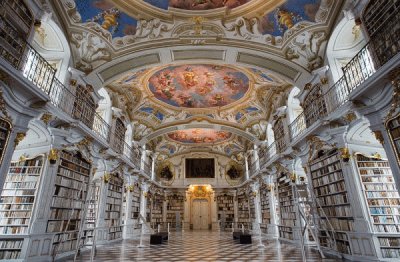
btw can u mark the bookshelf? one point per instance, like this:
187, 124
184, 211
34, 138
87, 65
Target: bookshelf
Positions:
393, 128
383, 202
243, 208
114, 206
135, 203
175, 209
17, 204
287, 214
91, 214
70, 190
18, 12
329, 187
265, 207
149, 201
5, 129
226, 210
157, 209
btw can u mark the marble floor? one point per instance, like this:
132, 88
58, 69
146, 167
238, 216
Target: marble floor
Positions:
200, 246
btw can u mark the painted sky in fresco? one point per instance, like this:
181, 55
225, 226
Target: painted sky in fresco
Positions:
287, 15
92, 9
196, 4
198, 86
199, 136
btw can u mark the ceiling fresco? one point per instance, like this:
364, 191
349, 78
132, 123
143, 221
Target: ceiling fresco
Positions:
199, 85
197, 4
199, 136
288, 15
110, 18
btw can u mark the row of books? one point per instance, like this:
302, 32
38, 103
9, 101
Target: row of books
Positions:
384, 210
114, 195
72, 174
335, 167
386, 228
13, 230
390, 252
337, 187
386, 219
337, 199
384, 202
389, 241
20, 214
68, 182
371, 172
11, 244
17, 200
14, 221
29, 163
59, 202
375, 179
18, 192
17, 185
381, 194
334, 158
339, 224
74, 168
17, 173
15, 207
63, 225
328, 179
71, 193
74, 159
380, 187
338, 211
373, 164
10, 254
65, 214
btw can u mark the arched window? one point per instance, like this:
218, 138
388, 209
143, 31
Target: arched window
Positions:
279, 133
314, 105
84, 106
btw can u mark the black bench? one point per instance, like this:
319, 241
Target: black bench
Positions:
244, 237
157, 238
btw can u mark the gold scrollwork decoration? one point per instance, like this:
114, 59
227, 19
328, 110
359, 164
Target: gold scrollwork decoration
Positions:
19, 137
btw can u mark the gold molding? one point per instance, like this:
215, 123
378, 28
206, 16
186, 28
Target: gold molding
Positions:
53, 154
19, 137
379, 136
46, 117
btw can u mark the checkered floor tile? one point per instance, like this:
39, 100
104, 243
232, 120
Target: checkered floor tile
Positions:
200, 246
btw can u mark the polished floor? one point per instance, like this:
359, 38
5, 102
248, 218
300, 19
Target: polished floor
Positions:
200, 246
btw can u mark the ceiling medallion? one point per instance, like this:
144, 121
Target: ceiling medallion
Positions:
194, 86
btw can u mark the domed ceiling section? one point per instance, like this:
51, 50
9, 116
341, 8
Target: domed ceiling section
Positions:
199, 136
198, 85
197, 4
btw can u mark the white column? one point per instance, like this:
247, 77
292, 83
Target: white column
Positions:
256, 158
273, 228
247, 166
153, 163
143, 198
143, 158
255, 187
128, 221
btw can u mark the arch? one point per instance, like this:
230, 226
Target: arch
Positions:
345, 42
49, 40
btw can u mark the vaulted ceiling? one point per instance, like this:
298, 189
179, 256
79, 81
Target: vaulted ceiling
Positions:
198, 75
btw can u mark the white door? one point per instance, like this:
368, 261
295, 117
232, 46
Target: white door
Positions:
200, 214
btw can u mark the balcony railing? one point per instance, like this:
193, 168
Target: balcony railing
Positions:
39, 72
268, 153
382, 47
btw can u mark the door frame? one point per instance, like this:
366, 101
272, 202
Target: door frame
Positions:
208, 209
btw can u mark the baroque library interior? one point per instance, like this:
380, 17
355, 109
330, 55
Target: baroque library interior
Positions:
199, 130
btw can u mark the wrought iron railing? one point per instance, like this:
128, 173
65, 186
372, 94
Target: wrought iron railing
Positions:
40, 73
382, 47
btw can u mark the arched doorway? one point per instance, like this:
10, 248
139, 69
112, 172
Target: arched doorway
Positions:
200, 214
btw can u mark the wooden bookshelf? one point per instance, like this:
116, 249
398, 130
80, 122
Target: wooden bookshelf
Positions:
243, 208
175, 209
5, 129
287, 214
17, 204
329, 187
383, 201
114, 206
148, 206
226, 210
265, 208
70, 190
18, 14
157, 209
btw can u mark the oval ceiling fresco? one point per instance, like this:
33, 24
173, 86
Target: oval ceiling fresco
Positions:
199, 136
199, 85
197, 4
